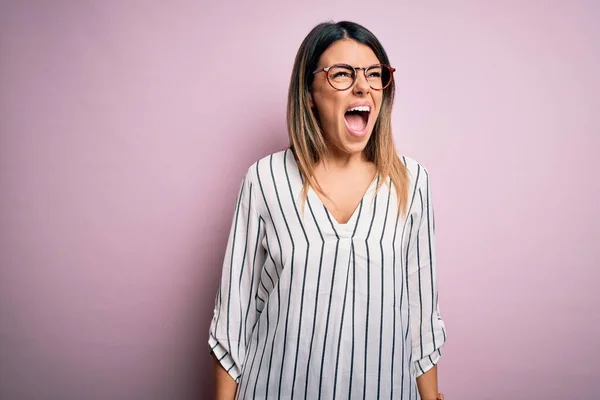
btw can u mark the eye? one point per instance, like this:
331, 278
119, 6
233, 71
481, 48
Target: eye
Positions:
375, 72
341, 74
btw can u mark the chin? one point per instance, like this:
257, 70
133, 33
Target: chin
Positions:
355, 145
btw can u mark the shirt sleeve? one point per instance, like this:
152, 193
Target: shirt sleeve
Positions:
428, 332
235, 311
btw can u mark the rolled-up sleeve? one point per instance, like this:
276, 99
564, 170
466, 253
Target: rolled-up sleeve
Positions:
235, 312
428, 332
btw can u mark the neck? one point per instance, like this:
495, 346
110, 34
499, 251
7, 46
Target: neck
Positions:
344, 161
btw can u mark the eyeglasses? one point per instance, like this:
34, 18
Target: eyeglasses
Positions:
343, 76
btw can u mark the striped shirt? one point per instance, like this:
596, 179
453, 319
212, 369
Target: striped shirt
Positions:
310, 308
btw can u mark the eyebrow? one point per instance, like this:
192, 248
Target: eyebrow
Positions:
345, 63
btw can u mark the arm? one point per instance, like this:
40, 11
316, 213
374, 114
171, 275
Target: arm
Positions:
225, 386
427, 384
427, 327
235, 312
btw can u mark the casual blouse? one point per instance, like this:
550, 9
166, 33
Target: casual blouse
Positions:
310, 308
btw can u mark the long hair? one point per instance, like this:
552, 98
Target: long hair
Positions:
306, 136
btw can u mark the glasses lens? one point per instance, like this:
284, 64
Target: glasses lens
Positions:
341, 76
378, 76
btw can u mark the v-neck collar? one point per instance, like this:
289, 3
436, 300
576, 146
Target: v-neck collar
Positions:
349, 227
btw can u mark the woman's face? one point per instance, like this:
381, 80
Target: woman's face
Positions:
346, 132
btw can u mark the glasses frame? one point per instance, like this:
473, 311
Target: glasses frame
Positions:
355, 69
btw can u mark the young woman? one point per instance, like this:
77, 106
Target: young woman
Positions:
328, 287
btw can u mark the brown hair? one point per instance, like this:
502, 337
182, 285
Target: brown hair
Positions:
306, 137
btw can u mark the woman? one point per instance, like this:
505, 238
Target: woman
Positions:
329, 284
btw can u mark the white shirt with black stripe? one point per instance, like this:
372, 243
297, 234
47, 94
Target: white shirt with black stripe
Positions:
309, 308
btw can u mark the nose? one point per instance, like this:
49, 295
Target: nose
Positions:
361, 86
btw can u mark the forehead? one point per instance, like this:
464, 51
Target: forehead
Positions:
348, 51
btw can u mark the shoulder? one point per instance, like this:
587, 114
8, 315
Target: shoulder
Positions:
417, 173
264, 176
267, 173
261, 169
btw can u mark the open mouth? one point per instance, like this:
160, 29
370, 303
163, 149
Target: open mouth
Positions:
357, 118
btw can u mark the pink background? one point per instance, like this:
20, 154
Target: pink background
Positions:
126, 128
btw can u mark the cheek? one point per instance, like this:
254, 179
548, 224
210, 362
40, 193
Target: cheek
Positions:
328, 110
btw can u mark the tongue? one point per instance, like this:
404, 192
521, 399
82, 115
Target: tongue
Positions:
355, 121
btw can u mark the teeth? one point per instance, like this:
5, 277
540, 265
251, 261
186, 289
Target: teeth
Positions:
360, 108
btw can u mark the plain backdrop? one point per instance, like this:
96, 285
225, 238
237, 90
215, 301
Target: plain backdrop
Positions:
126, 128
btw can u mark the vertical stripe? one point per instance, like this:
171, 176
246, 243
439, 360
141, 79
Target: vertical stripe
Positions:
408, 326
245, 382
303, 277
251, 291
405, 278
353, 255
394, 291
274, 336
265, 267
262, 356
248, 216
337, 357
270, 277
387, 208
237, 214
431, 266
267, 338
287, 314
408, 299
337, 246
418, 244
220, 292
312, 336
278, 286
368, 295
